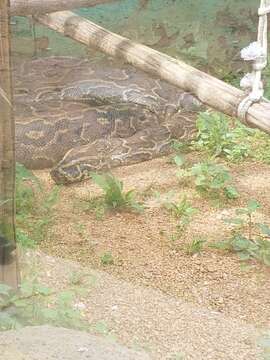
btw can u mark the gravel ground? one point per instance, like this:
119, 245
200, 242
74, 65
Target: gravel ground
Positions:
142, 247
165, 327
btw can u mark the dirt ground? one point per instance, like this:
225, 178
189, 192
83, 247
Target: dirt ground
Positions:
141, 244
120, 313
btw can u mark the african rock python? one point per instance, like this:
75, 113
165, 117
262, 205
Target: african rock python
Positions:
78, 116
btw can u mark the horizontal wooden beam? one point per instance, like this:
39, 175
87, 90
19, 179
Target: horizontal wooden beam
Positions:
211, 91
28, 7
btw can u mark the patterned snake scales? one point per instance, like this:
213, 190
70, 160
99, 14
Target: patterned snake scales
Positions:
76, 116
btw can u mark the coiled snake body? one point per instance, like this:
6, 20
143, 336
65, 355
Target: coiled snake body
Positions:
76, 116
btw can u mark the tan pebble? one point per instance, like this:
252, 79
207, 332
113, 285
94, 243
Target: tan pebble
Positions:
211, 268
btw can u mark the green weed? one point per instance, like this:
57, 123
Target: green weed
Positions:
218, 138
24, 239
260, 143
35, 304
181, 147
114, 196
211, 180
34, 207
195, 246
107, 259
249, 239
182, 210
26, 184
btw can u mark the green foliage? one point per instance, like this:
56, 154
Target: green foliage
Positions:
114, 196
182, 210
211, 179
24, 239
34, 207
260, 143
107, 259
230, 77
26, 182
35, 304
179, 160
101, 328
181, 147
195, 246
249, 239
217, 137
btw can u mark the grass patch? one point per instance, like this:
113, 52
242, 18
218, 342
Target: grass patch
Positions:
183, 211
211, 180
114, 196
218, 138
34, 208
195, 246
248, 239
35, 304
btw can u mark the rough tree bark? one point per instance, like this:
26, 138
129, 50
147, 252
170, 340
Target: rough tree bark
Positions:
211, 91
29, 7
8, 259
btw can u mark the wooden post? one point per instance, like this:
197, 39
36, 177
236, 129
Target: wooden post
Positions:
29, 7
8, 258
211, 91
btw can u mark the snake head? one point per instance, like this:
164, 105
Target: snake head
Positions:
65, 173
79, 163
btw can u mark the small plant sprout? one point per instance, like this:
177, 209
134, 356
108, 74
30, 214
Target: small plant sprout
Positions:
114, 196
249, 239
107, 258
219, 139
195, 246
180, 148
212, 180
182, 210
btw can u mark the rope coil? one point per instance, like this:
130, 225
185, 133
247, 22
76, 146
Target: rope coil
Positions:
257, 53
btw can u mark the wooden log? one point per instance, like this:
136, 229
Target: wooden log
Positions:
9, 273
211, 91
29, 7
